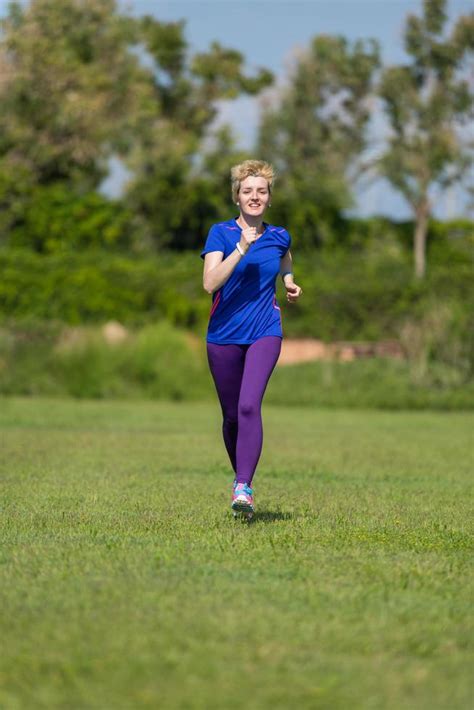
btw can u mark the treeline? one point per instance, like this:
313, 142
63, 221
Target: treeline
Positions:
82, 82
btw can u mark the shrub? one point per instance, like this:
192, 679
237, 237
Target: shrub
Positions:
366, 295
97, 286
162, 362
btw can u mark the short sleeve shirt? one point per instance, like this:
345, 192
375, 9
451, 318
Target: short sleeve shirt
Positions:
245, 308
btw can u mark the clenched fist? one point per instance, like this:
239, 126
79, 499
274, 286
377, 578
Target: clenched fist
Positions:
293, 292
248, 237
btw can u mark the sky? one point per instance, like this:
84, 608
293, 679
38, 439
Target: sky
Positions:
269, 33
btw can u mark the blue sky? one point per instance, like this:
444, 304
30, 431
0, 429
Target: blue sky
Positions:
269, 33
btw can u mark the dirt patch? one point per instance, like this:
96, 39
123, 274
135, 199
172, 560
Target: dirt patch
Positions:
307, 349
114, 332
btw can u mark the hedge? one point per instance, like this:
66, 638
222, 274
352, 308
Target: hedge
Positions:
347, 296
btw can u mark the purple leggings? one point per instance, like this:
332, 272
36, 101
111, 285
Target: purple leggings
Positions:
241, 374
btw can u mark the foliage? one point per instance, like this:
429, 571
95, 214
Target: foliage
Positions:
314, 131
178, 195
372, 383
427, 102
55, 219
180, 169
356, 293
158, 361
80, 83
364, 296
98, 286
70, 89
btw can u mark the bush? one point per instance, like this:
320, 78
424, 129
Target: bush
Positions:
56, 218
439, 346
158, 361
97, 286
162, 362
377, 383
346, 296
370, 297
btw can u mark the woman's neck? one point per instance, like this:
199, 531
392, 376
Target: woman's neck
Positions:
250, 221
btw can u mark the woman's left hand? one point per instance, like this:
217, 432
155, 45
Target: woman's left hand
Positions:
293, 292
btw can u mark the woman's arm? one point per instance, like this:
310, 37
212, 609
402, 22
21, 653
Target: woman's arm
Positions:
217, 270
286, 268
293, 291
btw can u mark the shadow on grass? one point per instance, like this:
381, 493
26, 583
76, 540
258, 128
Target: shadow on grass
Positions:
271, 516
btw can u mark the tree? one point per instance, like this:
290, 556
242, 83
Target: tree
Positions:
69, 89
314, 132
173, 187
426, 103
56, 219
79, 83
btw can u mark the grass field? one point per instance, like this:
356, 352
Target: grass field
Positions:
125, 582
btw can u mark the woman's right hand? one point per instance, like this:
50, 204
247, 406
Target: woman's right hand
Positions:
248, 237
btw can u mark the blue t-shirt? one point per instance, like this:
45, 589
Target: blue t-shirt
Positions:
245, 308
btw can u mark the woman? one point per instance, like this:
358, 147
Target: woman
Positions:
242, 259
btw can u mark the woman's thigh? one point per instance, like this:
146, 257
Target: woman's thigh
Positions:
260, 361
226, 363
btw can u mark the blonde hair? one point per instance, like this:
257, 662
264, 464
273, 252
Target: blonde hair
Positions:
251, 168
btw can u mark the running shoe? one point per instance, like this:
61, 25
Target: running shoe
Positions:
242, 498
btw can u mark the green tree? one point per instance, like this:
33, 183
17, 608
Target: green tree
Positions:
79, 83
70, 94
314, 132
54, 218
69, 89
426, 103
174, 188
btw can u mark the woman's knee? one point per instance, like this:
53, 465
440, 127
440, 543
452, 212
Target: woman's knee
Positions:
248, 409
230, 418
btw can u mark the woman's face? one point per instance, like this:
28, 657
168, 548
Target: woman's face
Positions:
254, 196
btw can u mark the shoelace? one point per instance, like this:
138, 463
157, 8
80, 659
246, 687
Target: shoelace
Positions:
243, 488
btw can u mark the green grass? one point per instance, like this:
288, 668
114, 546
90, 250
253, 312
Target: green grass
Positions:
125, 582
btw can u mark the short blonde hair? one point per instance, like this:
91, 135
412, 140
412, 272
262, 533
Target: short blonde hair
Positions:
251, 168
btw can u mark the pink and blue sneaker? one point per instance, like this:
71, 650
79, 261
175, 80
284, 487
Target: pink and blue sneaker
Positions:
242, 499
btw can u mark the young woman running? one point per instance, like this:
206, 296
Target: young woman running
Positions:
242, 259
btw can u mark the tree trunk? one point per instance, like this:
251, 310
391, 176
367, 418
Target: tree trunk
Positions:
421, 228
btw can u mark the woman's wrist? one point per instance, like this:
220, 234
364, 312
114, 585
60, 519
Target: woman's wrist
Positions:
286, 274
242, 250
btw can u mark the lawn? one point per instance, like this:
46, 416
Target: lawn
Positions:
126, 583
